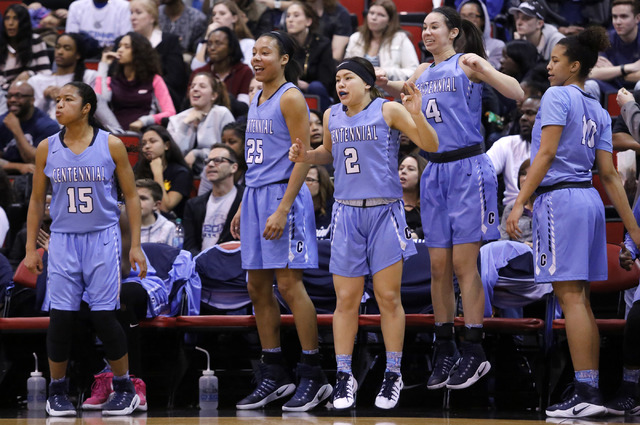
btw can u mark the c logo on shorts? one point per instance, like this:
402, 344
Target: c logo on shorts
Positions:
407, 232
299, 246
543, 260
492, 217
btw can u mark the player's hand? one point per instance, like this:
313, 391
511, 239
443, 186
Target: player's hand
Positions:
33, 262
275, 225
624, 96
635, 236
235, 224
411, 98
43, 239
626, 262
512, 222
297, 152
137, 260
475, 62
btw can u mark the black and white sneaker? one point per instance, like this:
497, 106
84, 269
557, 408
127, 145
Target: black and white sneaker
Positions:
390, 391
58, 403
344, 394
445, 356
625, 401
579, 400
471, 366
312, 389
273, 383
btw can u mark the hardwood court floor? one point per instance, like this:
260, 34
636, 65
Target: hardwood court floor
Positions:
229, 417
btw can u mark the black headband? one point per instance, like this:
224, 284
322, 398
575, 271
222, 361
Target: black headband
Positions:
359, 70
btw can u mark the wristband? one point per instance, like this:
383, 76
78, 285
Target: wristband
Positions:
622, 71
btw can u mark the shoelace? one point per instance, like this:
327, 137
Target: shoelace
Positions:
305, 388
100, 387
388, 389
61, 401
342, 386
445, 363
266, 387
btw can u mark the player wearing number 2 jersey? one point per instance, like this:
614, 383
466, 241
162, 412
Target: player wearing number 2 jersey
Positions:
81, 164
570, 132
276, 226
369, 233
458, 188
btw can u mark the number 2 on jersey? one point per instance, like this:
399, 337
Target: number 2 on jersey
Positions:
254, 151
82, 202
351, 161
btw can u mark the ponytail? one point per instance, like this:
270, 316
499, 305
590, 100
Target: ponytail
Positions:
469, 38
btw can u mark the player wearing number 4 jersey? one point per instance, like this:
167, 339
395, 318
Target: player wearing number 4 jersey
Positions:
571, 131
369, 233
81, 162
277, 229
458, 188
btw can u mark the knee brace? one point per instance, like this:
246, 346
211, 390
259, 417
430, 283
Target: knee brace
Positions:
110, 333
59, 334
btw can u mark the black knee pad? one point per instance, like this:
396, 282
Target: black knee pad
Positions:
631, 346
110, 333
59, 334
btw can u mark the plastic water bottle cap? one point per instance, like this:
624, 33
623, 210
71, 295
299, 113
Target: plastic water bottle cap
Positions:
207, 372
36, 373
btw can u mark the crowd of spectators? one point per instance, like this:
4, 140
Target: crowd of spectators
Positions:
179, 76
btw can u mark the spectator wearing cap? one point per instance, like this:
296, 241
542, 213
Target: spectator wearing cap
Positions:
619, 65
530, 26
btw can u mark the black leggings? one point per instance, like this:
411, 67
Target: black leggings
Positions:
133, 308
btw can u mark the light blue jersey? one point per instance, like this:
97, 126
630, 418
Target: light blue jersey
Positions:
587, 127
267, 141
84, 195
452, 104
365, 154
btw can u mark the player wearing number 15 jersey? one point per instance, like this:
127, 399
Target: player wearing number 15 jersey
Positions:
458, 191
81, 163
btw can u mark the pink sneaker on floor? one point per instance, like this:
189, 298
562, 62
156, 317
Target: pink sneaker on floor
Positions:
141, 390
101, 389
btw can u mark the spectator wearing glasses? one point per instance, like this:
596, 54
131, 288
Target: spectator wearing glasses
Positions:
22, 128
476, 12
207, 218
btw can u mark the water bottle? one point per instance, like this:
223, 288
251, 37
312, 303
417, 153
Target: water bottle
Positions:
36, 389
208, 386
178, 236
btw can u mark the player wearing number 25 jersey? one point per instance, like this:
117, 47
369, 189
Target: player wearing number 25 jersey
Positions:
267, 143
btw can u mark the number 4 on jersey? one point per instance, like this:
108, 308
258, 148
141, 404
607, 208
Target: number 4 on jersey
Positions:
432, 111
